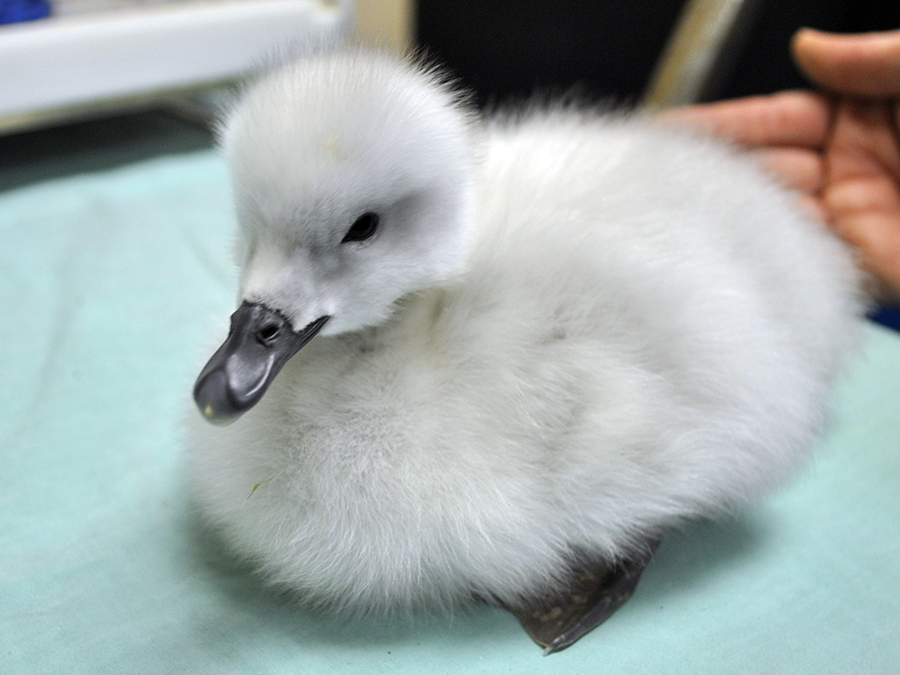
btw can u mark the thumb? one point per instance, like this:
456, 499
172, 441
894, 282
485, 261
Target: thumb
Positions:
865, 64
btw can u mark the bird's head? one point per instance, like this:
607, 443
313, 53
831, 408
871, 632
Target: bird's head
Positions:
353, 177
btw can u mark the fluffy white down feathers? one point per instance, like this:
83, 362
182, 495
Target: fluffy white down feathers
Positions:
570, 332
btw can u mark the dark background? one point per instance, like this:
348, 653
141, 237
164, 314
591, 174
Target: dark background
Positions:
507, 49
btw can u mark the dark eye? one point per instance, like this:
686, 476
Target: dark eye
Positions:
364, 227
268, 333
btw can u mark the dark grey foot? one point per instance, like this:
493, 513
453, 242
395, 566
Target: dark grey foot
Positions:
597, 590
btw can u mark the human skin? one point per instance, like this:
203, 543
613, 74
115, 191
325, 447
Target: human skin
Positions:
839, 148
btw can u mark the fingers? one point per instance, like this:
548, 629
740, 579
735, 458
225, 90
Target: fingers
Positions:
802, 170
786, 119
858, 65
862, 191
813, 208
864, 195
877, 238
863, 143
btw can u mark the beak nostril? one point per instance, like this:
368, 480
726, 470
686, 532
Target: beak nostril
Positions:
268, 333
238, 374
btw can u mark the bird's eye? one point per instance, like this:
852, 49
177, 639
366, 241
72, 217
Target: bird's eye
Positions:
364, 227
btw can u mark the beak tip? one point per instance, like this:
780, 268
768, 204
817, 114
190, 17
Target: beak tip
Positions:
210, 414
220, 421
211, 399
239, 373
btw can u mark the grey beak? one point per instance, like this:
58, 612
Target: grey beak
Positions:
260, 342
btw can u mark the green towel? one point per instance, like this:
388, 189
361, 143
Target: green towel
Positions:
115, 270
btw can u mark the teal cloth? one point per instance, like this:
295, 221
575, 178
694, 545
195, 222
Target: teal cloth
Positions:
114, 270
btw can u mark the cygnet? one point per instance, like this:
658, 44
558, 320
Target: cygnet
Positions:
497, 359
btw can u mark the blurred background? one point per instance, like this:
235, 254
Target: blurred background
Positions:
62, 60
609, 48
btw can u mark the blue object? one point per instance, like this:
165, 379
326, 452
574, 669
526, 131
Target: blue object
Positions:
16, 11
886, 316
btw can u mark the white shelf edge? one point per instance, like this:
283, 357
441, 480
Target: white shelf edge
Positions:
75, 61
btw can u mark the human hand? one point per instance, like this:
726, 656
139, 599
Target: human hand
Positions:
842, 150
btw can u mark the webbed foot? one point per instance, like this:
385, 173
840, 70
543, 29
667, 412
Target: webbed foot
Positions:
597, 590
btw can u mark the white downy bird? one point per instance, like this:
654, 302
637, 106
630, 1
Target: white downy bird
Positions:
533, 344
